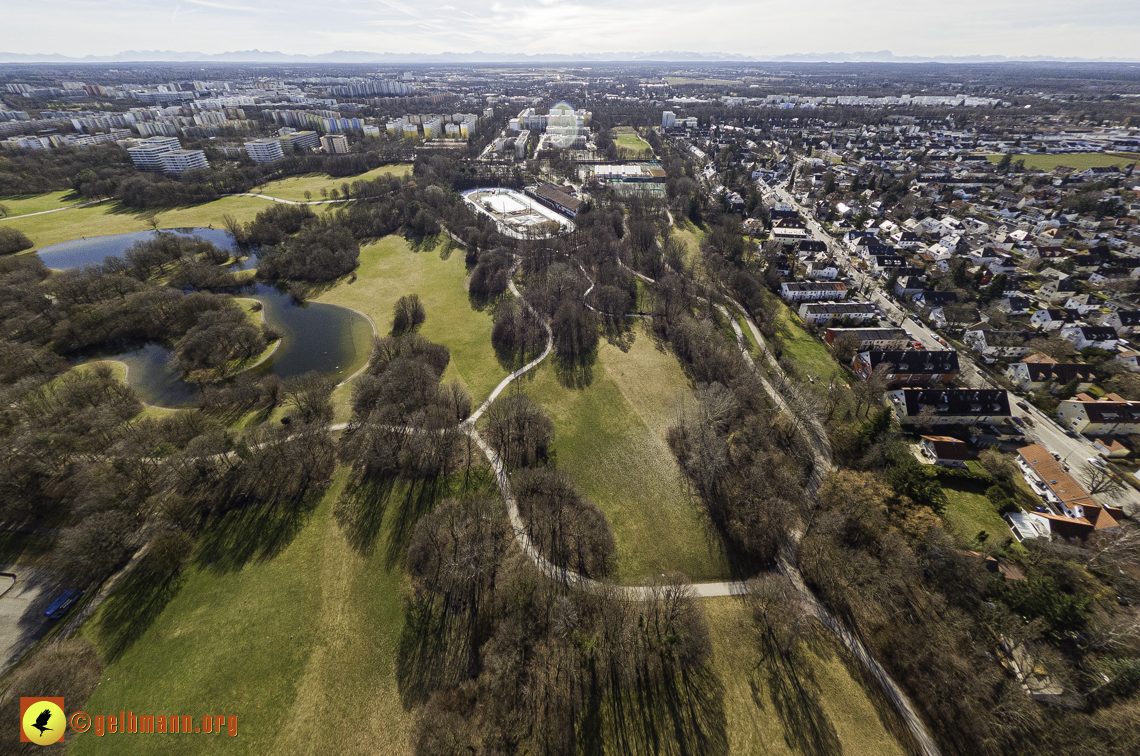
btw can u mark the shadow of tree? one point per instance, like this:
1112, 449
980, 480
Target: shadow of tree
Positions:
682, 714
360, 512
257, 532
434, 651
575, 373
795, 694
620, 334
420, 497
132, 608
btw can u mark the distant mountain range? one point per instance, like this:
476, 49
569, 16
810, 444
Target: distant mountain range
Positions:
348, 56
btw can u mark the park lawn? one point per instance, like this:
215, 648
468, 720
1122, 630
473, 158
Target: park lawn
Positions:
847, 717
111, 218
1076, 160
22, 204
299, 642
813, 357
691, 234
389, 269
294, 188
610, 435
969, 512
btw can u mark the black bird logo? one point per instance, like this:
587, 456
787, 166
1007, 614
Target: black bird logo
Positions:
42, 720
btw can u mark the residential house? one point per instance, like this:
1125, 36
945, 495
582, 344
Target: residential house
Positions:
1108, 275
906, 240
1082, 336
789, 230
1112, 415
945, 450
1051, 319
1058, 290
937, 407
812, 291
1124, 321
928, 299
886, 264
823, 269
851, 312
993, 343
910, 367
1110, 447
1031, 376
1015, 305
870, 338
1082, 303
1130, 359
907, 286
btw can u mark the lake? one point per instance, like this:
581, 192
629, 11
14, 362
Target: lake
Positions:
329, 339
90, 251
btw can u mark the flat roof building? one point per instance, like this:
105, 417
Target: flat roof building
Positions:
264, 150
146, 154
335, 144
177, 162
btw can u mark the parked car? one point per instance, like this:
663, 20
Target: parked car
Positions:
1023, 405
1097, 461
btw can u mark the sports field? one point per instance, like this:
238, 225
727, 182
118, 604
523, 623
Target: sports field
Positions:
630, 144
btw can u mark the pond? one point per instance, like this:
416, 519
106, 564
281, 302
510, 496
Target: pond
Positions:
329, 339
332, 340
90, 251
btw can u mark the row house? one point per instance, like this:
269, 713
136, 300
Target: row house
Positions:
812, 291
1031, 376
936, 407
852, 312
870, 338
915, 366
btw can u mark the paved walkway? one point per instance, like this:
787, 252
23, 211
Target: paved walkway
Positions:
57, 210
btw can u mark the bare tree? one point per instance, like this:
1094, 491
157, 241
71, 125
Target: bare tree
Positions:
407, 314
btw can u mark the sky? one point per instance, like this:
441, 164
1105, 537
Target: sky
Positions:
1096, 29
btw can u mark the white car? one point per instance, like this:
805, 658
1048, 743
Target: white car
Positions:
1096, 461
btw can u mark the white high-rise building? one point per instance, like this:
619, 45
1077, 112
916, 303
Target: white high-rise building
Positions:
668, 119
176, 162
264, 150
146, 155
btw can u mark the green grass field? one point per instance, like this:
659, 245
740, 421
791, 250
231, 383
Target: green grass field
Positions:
771, 708
112, 218
630, 144
968, 512
1078, 160
292, 630
611, 435
389, 269
38, 203
294, 188
813, 357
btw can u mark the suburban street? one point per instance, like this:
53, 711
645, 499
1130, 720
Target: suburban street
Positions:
1074, 452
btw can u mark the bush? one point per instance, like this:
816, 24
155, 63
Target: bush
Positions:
13, 240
